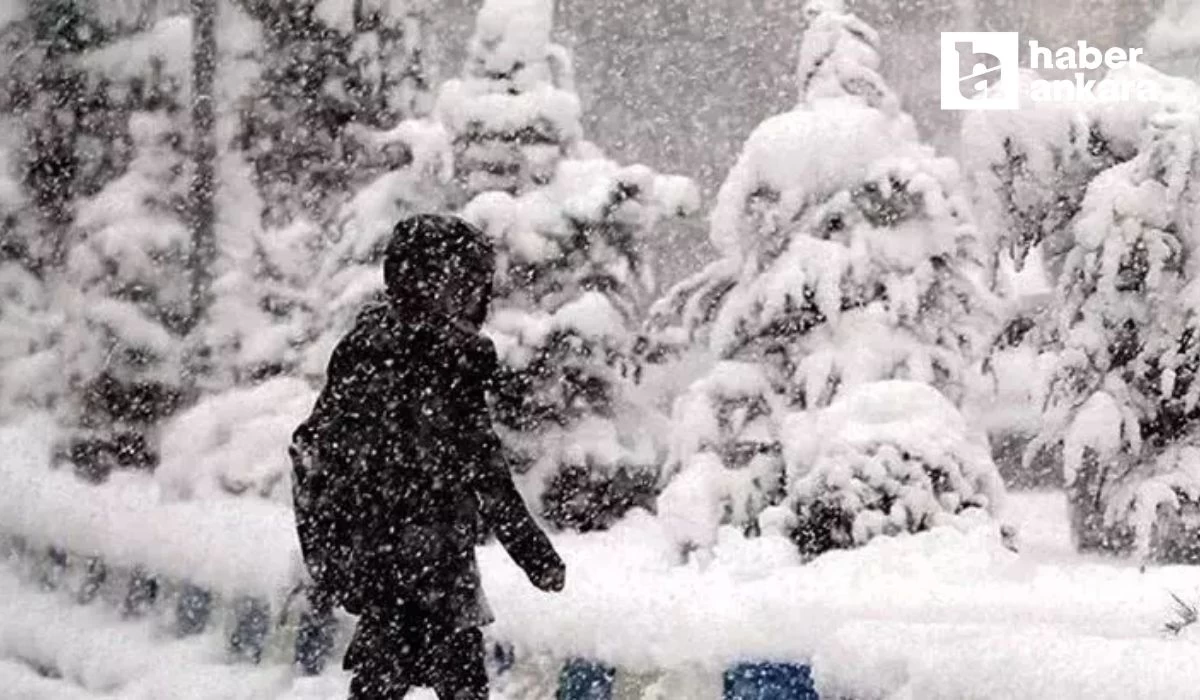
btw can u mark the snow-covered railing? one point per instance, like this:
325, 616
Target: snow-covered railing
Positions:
227, 563
231, 546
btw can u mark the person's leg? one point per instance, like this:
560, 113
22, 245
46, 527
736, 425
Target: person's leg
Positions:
373, 683
381, 656
459, 672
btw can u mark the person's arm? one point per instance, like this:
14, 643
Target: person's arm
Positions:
504, 511
500, 504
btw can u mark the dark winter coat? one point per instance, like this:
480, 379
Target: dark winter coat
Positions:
398, 469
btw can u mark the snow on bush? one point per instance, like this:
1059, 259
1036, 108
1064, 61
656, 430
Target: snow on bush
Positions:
884, 458
326, 76
234, 443
1030, 169
1123, 396
570, 284
30, 377
233, 546
569, 227
725, 464
584, 444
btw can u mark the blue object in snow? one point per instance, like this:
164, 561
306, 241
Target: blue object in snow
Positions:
585, 680
314, 640
192, 610
769, 681
251, 625
141, 595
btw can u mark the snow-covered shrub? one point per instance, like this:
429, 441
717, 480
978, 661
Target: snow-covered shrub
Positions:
414, 172
725, 463
28, 321
885, 457
1122, 402
850, 252
30, 377
229, 443
73, 77
127, 294
570, 285
320, 160
583, 442
1029, 169
266, 307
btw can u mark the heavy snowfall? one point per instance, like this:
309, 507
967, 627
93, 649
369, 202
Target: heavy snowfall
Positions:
819, 390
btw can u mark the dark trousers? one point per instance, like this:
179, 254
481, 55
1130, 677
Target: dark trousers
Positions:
395, 650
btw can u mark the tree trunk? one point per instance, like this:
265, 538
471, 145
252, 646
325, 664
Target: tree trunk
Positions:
201, 194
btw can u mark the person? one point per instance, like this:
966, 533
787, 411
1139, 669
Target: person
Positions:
398, 472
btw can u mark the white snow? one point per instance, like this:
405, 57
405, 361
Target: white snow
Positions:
802, 157
230, 545
229, 444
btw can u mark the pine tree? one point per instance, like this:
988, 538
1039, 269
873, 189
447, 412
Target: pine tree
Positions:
513, 114
1030, 169
324, 157
49, 100
850, 257
28, 321
101, 138
1122, 400
128, 298
570, 288
330, 70
571, 280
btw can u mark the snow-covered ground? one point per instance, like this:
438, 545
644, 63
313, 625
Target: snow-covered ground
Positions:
950, 613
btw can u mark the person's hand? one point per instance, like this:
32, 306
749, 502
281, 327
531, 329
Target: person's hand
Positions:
552, 578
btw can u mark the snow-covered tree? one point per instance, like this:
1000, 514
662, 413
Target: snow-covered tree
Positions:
1122, 400
330, 69
29, 324
317, 164
1030, 169
725, 459
570, 285
572, 279
127, 294
513, 113
850, 257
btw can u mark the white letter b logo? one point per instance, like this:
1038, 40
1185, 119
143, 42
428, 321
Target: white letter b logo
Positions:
979, 70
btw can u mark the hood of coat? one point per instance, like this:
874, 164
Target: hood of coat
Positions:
440, 264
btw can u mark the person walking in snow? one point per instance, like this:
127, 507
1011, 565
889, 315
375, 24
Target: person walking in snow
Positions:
398, 469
